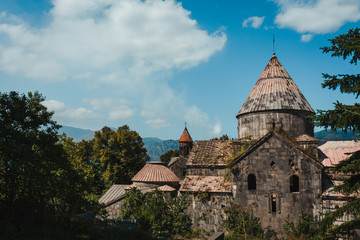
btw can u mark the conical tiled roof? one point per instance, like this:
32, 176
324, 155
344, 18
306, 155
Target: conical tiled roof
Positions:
155, 172
275, 90
185, 136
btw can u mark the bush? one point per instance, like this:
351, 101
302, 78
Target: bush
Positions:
156, 213
242, 224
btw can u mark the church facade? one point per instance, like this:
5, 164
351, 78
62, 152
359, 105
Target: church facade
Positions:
275, 168
272, 168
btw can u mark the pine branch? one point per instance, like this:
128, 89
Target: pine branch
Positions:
352, 208
347, 83
344, 117
345, 229
345, 45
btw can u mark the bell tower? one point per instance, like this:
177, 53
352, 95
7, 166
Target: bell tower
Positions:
185, 143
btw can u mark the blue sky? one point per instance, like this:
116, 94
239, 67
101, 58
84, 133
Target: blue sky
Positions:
156, 64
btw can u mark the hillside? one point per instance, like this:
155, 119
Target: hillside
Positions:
327, 135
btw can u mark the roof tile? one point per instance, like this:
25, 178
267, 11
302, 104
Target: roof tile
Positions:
185, 136
210, 153
155, 172
114, 193
332, 152
205, 184
275, 90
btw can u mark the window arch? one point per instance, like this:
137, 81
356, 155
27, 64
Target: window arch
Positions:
273, 203
251, 182
294, 183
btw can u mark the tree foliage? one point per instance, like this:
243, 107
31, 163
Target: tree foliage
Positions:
119, 154
79, 154
166, 157
242, 224
224, 137
305, 228
345, 117
157, 213
36, 180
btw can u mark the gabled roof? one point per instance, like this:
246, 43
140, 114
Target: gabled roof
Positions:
175, 159
185, 136
155, 172
214, 184
211, 153
113, 194
282, 138
275, 90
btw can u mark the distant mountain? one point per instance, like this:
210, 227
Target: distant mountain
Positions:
327, 135
77, 134
155, 146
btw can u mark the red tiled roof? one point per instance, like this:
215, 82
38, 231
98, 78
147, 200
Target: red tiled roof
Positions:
155, 172
185, 136
205, 184
275, 90
332, 152
331, 193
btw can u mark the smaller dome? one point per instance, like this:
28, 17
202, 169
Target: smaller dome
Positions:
185, 136
155, 172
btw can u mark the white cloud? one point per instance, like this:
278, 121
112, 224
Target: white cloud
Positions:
316, 16
122, 48
306, 37
121, 112
132, 36
65, 115
159, 99
157, 123
255, 22
101, 103
116, 108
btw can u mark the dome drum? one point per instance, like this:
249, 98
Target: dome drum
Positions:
257, 124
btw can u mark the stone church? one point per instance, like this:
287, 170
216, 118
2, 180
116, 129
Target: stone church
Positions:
274, 168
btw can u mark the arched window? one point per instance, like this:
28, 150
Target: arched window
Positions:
251, 182
273, 203
294, 183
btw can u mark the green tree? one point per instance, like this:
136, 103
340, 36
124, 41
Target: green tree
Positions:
224, 137
347, 118
305, 228
242, 224
156, 213
166, 157
36, 180
79, 154
120, 154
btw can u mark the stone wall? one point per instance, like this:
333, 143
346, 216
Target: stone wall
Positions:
207, 210
179, 167
114, 209
258, 124
273, 163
